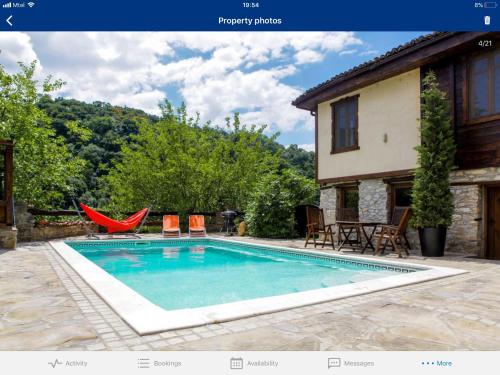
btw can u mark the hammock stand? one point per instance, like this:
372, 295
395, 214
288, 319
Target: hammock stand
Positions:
115, 227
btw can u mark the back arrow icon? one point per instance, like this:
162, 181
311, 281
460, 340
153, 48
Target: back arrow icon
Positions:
8, 20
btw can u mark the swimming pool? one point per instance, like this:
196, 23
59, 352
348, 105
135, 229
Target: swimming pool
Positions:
203, 272
164, 284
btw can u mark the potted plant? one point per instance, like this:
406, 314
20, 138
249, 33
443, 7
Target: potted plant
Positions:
432, 198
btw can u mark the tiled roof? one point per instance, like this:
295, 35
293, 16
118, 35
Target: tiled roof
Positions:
411, 45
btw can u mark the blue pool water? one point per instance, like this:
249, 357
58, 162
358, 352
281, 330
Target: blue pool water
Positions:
185, 274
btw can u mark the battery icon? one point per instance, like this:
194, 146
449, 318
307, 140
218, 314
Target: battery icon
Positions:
490, 4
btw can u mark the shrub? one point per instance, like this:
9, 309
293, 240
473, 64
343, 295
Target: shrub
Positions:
271, 209
432, 197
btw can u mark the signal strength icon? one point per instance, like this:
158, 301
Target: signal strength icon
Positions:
7, 5
30, 4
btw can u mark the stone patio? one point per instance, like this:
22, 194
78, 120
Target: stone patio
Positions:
44, 305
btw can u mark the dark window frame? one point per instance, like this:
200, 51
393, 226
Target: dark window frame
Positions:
355, 146
341, 199
490, 55
393, 187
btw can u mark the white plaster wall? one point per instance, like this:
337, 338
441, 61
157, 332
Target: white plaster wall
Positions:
390, 107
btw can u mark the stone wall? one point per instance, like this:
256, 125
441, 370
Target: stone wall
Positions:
8, 237
25, 223
374, 206
476, 175
328, 202
464, 235
28, 231
373, 200
53, 231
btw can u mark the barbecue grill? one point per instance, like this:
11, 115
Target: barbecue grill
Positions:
228, 225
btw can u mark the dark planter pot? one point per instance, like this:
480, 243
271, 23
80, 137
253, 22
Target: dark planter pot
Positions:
432, 241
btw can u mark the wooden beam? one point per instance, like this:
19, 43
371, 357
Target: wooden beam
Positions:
368, 176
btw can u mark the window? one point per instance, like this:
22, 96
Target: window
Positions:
400, 195
484, 85
400, 199
345, 125
347, 203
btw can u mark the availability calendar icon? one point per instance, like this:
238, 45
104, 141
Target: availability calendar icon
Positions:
236, 363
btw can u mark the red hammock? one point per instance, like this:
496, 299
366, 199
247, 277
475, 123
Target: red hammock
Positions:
114, 226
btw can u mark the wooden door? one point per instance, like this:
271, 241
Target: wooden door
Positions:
494, 223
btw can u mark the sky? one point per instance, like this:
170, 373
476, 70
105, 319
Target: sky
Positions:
214, 73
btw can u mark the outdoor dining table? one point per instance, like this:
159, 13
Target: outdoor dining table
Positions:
364, 231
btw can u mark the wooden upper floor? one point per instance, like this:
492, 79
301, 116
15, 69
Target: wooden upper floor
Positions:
367, 119
471, 80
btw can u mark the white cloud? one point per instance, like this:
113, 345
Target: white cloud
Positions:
347, 52
214, 73
308, 56
307, 146
15, 47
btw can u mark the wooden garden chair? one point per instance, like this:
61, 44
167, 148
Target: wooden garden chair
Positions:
394, 235
316, 226
397, 213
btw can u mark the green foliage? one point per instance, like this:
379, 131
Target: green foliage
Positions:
271, 209
43, 166
301, 160
184, 167
432, 198
81, 134
95, 133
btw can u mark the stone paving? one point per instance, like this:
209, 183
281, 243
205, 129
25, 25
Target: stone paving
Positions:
45, 305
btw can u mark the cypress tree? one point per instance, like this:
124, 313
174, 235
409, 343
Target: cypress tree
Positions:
432, 197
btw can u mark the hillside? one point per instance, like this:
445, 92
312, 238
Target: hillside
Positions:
96, 132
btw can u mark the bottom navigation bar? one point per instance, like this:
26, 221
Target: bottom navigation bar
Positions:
337, 363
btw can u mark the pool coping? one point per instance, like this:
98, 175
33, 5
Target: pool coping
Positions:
146, 318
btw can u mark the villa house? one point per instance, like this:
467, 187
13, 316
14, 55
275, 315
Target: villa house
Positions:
367, 125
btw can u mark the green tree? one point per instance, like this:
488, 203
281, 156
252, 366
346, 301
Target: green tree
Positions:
43, 166
432, 198
271, 209
185, 167
301, 160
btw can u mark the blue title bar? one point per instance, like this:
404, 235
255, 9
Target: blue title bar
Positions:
256, 15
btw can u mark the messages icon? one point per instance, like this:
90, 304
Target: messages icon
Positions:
333, 362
